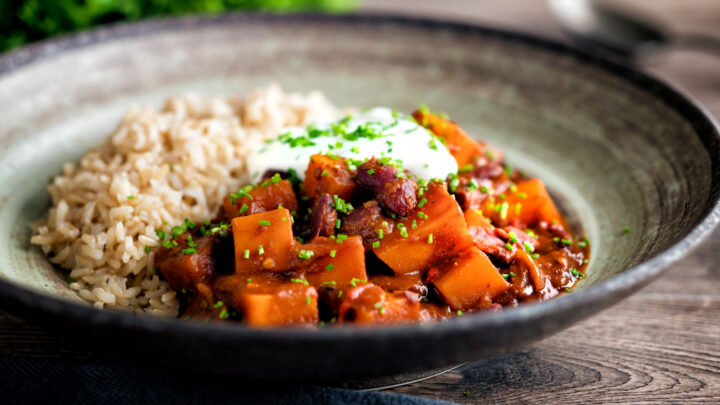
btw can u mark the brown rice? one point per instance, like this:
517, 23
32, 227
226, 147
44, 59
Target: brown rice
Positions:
155, 170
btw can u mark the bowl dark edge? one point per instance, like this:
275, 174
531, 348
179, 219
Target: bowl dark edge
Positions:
33, 305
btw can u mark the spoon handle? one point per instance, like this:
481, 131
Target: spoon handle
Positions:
698, 42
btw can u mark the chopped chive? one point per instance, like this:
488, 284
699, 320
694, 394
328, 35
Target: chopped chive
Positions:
376, 244
504, 210
332, 253
329, 267
189, 251
247, 254
264, 223
380, 233
260, 249
307, 300
422, 202
430, 239
244, 208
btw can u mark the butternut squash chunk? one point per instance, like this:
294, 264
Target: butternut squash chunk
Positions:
434, 230
345, 263
529, 204
463, 148
370, 304
285, 304
261, 198
184, 267
469, 281
327, 175
263, 242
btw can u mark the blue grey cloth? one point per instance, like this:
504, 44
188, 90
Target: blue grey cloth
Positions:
29, 381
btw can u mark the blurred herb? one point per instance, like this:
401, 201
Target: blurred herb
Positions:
23, 21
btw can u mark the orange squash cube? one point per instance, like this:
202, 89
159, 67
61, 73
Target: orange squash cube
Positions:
263, 197
263, 242
370, 304
469, 280
327, 175
435, 231
345, 263
529, 204
463, 148
284, 304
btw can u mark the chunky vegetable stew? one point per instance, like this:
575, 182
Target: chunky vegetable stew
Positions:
367, 241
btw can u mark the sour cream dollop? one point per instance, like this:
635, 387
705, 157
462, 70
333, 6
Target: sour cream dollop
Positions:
377, 132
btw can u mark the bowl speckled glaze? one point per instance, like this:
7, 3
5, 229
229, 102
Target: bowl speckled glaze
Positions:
616, 147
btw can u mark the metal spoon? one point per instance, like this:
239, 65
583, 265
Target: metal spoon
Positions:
599, 25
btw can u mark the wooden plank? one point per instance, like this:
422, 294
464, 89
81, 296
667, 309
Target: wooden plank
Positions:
648, 349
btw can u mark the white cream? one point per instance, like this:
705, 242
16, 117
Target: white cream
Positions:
393, 135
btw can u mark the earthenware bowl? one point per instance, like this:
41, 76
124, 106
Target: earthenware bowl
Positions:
615, 146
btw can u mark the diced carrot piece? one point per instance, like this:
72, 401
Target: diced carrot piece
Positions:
285, 304
345, 263
529, 204
469, 281
261, 198
327, 175
368, 303
263, 242
435, 230
463, 148
184, 269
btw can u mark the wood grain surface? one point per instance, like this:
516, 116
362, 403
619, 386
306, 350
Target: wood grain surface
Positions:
660, 345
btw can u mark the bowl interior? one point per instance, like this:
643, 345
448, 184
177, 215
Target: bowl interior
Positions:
612, 153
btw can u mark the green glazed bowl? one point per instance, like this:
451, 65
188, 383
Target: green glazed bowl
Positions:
616, 147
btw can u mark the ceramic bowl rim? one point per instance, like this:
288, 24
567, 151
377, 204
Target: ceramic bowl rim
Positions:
704, 125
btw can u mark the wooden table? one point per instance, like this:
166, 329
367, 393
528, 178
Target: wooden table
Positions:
662, 344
